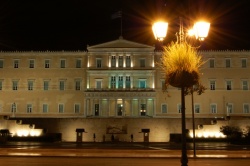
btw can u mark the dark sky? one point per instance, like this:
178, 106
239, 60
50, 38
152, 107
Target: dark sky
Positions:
72, 24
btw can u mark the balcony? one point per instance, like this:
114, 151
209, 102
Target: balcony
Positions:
120, 89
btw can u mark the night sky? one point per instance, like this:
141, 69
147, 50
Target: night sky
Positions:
72, 24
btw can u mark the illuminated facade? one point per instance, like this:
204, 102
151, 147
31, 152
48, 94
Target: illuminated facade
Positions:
116, 87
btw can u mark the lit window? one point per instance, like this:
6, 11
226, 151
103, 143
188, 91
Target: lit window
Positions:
142, 84
62, 85
228, 63
31, 63
98, 63
62, 63
229, 85
113, 82
211, 63
128, 61
245, 85
179, 108
246, 108
77, 108
30, 85
120, 61
60, 108
78, 85
47, 63
45, 85
128, 83
16, 63
14, 85
213, 108
212, 85
45, 108
164, 108
197, 108
143, 109
29, 108
243, 63
78, 63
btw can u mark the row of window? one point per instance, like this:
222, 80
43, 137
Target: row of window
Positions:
46, 85
228, 63
229, 85
213, 108
120, 62
45, 108
47, 63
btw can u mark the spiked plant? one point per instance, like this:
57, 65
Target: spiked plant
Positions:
181, 64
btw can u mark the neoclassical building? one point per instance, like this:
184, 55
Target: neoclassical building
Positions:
117, 88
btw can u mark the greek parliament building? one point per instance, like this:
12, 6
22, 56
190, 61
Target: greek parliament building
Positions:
115, 88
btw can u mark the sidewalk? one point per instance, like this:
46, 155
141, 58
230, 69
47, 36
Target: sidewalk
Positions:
112, 153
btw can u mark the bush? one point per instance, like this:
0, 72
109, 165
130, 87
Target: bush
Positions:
233, 133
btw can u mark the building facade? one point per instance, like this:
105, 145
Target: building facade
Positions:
117, 88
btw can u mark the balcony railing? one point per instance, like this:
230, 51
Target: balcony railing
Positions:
121, 89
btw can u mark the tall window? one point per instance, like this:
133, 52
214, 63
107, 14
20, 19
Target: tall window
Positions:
96, 109
98, 63
29, 108
98, 84
62, 63
30, 84
113, 61
164, 108
128, 84
212, 85
229, 85
77, 108
120, 82
31, 63
120, 62
128, 61
62, 85
14, 85
244, 63
45, 85
245, 85
229, 108
16, 63
60, 108
142, 84
13, 107
228, 63
143, 109
142, 62
47, 63
213, 108
246, 108
197, 108
211, 63
78, 85
1, 63
78, 63
113, 82
45, 108
179, 108
1, 85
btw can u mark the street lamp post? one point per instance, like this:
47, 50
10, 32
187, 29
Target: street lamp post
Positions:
200, 31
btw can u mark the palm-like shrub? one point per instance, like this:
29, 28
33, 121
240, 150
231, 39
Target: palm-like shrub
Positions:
181, 64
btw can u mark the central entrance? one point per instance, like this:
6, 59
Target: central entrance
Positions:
120, 107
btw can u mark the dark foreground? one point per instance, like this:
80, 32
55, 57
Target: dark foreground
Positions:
78, 161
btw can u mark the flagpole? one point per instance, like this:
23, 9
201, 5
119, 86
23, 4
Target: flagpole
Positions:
121, 23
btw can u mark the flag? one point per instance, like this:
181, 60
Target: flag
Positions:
117, 14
